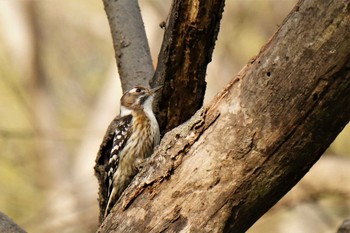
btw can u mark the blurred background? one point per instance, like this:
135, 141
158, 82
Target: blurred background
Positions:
59, 90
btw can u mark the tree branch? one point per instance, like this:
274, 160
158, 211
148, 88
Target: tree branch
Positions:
226, 166
9, 226
187, 48
130, 43
345, 227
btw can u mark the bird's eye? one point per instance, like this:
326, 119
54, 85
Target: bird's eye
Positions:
138, 90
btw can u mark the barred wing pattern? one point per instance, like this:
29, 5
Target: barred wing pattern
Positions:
121, 135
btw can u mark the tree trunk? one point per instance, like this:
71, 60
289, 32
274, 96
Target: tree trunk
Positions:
188, 44
225, 167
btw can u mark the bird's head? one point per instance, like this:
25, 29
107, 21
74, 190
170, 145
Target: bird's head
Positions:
138, 98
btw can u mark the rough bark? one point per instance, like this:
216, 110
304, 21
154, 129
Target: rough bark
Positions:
233, 160
189, 40
9, 226
130, 43
345, 227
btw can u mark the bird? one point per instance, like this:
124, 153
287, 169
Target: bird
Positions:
130, 139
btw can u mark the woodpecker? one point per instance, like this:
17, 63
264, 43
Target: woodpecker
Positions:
130, 138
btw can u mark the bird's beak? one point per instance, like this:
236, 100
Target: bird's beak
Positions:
154, 90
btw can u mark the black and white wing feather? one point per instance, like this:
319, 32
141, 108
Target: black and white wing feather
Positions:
108, 157
121, 135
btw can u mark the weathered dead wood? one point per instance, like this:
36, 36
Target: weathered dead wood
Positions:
188, 44
226, 166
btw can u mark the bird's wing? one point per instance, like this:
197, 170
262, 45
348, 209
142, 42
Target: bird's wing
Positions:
104, 156
121, 135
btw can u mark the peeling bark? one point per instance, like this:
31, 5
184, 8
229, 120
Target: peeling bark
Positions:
232, 161
188, 44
